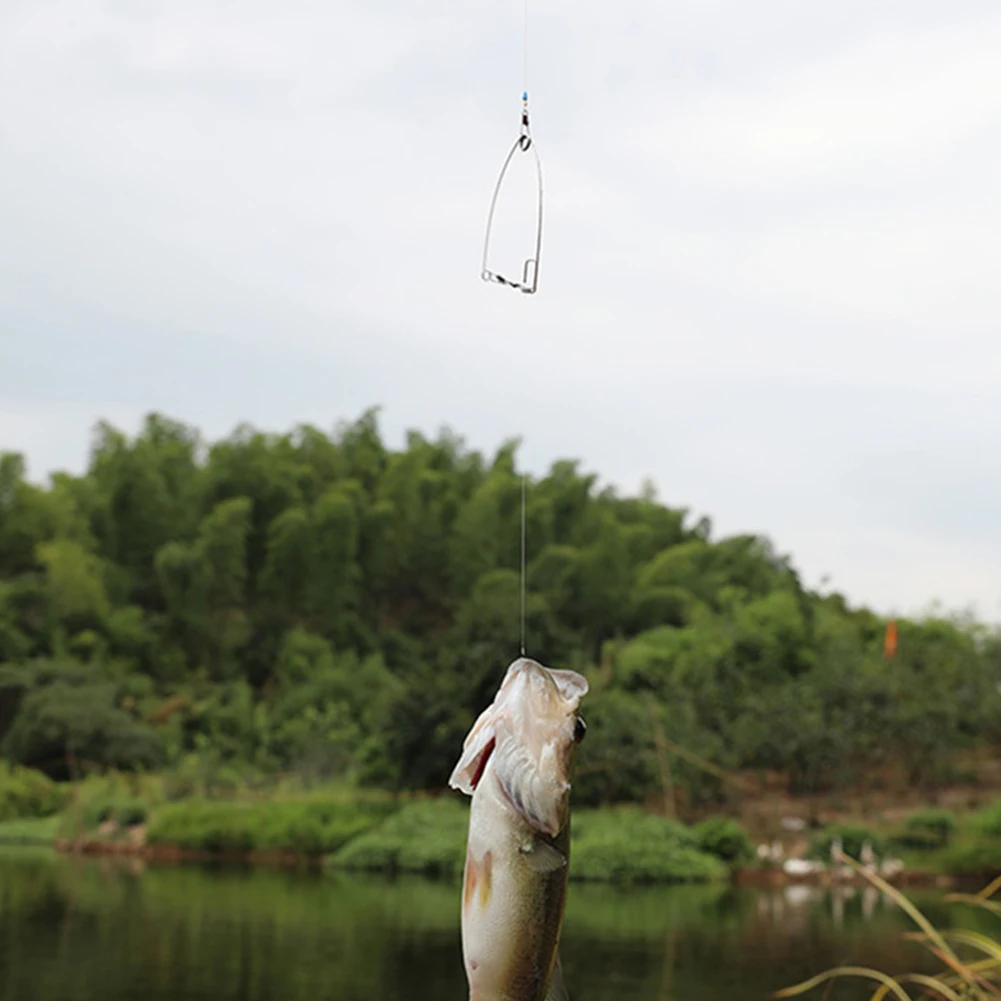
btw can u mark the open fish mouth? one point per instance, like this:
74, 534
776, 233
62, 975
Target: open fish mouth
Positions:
528, 735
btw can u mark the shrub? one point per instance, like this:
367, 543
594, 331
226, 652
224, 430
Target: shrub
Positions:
629, 846
25, 793
29, 831
426, 837
927, 830
979, 857
988, 821
625, 821
311, 827
131, 814
726, 839
853, 837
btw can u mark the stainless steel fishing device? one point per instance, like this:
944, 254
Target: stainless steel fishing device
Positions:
524, 144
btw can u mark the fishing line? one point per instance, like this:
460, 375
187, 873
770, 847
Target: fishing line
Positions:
524, 56
524, 479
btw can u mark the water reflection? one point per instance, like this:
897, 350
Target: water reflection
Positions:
88, 930
791, 904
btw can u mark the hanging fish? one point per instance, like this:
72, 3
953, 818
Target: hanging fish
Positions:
516, 764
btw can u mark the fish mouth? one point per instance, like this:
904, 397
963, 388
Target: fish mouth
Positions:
536, 708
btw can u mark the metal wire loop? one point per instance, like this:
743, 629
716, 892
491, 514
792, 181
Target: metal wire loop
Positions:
530, 270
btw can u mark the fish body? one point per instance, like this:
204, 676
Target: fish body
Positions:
516, 765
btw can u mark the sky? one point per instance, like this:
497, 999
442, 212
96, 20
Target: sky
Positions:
769, 269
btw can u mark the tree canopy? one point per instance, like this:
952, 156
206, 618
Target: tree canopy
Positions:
323, 604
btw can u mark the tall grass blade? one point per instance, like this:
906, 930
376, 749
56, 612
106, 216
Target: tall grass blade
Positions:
974, 900
891, 985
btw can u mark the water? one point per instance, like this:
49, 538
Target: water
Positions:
109, 930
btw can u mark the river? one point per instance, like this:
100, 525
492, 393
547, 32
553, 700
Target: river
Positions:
114, 930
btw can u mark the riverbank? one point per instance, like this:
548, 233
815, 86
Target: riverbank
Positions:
340, 828
427, 837
422, 836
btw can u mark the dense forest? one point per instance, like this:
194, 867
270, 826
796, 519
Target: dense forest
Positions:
323, 605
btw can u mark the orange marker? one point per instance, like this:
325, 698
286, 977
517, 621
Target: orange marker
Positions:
890, 643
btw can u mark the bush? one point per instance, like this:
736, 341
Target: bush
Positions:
25, 793
979, 857
622, 845
915, 841
927, 830
988, 821
131, 814
629, 846
427, 837
726, 839
625, 821
29, 831
853, 837
310, 827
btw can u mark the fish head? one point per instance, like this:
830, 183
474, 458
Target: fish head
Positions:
543, 715
529, 736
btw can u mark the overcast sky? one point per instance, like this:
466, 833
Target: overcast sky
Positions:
770, 265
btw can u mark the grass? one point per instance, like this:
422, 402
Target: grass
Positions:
309, 826
29, 831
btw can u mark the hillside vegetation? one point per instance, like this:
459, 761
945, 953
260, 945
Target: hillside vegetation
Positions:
325, 606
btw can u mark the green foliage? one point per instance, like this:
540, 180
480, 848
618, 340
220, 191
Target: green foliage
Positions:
616, 762
427, 837
125, 799
987, 822
69, 713
25, 793
29, 831
726, 839
928, 830
625, 845
852, 836
310, 826
126, 813
321, 605
977, 856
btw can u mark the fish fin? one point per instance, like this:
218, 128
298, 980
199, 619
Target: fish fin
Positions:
557, 989
480, 741
476, 751
542, 857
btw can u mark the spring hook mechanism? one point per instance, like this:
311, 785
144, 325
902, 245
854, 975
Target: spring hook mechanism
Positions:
530, 269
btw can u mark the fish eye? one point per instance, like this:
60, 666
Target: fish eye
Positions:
579, 729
